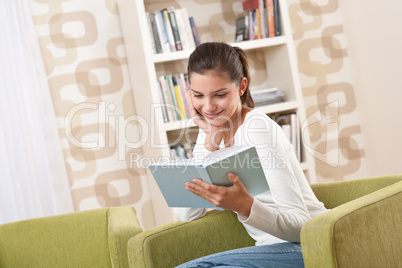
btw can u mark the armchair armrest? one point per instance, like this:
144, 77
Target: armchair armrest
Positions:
122, 225
365, 232
177, 242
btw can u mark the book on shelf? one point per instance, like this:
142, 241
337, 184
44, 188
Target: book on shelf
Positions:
267, 96
194, 30
174, 97
168, 28
153, 32
290, 124
171, 30
243, 161
258, 20
182, 151
175, 28
276, 18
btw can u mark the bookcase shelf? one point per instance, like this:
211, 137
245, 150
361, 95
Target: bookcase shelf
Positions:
145, 66
245, 45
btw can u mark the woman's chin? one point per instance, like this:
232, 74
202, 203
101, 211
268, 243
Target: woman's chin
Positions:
217, 122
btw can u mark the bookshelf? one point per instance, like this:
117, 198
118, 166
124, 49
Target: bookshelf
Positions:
145, 67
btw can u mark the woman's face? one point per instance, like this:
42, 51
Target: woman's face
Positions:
216, 98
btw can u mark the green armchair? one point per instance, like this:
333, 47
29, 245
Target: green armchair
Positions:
362, 229
93, 238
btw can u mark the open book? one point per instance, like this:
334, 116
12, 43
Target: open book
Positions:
243, 161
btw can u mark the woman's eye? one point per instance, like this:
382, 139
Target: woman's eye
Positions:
197, 96
221, 95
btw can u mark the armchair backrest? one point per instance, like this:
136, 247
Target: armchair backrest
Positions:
333, 194
93, 238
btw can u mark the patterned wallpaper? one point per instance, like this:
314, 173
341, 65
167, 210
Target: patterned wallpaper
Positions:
326, 79
83, 51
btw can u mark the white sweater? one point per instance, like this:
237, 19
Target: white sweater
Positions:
278, 214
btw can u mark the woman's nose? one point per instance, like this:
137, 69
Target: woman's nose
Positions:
209, 105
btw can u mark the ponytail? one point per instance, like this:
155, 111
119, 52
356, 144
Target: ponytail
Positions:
246, 98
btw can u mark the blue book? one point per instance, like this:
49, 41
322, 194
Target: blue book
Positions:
243, 161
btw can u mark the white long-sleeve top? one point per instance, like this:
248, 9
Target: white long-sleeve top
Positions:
278, 214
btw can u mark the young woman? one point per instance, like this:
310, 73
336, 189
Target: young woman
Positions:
223, 110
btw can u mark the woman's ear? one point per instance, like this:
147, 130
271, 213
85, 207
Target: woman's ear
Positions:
243, 86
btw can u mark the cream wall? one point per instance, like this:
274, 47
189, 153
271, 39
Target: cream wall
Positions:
374, 39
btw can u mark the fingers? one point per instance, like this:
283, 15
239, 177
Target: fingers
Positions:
233, 178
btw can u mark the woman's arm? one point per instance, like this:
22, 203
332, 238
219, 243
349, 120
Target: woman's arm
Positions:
287, 212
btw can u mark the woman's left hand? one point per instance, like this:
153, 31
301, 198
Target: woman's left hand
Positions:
235, 197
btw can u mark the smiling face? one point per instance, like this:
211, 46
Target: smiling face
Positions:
216, 98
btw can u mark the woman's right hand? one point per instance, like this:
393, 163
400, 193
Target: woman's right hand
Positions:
214, 135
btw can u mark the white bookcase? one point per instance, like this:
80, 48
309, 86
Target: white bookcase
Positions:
145, 66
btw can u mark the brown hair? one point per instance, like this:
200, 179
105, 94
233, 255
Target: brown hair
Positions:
222, 58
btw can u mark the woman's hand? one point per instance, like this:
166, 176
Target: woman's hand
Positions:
235, 197
214, 135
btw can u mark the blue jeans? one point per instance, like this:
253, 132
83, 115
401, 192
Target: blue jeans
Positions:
276, 255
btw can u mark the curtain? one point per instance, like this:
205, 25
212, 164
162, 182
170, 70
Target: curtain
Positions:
33, 177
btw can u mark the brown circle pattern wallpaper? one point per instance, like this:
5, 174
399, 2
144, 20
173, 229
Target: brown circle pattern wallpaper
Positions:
83, 51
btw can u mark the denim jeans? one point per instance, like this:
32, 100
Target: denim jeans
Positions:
276, 255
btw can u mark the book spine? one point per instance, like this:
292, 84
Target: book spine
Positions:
155, 34
202, 171
182, 29
257, 23
173, 97
271, 18
276, 18
175, 29
250, 25
162, 102
265, 18
162, 32
184, 93
180, 102
168, 29
262, 18
195, 31
167, 99
189, 31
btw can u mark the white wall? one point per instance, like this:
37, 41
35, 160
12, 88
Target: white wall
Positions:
374, 35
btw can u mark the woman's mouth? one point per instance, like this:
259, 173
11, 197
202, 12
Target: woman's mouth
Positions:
212, 116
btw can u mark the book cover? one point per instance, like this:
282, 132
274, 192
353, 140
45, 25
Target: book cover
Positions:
243, 161
242, 27
250, 4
